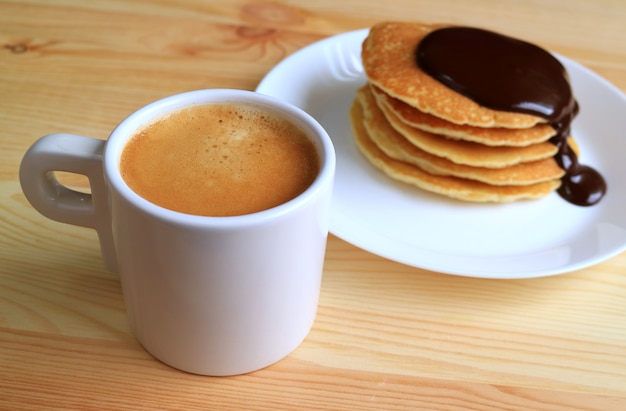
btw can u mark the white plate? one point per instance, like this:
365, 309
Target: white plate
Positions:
411, 226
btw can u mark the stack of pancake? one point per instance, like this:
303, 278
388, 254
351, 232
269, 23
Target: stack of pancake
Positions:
417, 130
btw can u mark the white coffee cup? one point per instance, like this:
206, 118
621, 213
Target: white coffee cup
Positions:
207, 295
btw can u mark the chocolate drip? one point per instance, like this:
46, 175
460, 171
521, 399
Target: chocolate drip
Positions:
508, 74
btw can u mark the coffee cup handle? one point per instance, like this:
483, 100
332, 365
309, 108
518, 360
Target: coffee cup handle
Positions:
74, 154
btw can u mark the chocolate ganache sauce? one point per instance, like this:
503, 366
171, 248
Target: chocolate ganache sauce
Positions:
508, 74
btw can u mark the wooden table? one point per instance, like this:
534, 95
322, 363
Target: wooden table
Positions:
387, 336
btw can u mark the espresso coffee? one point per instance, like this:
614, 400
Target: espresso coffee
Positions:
220, 160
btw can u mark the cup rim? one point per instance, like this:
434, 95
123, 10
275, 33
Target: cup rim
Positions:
156, 109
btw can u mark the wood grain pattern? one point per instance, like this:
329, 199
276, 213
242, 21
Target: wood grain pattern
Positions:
387, 336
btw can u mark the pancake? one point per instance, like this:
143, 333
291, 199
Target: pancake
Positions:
495, 136
394, 145
461, 152
388, 55
453, 187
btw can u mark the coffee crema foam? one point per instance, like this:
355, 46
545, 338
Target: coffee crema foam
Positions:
222, 159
